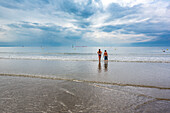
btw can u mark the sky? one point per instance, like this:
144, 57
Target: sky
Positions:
84, 22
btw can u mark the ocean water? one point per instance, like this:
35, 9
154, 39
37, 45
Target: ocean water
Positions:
135, 79
145, 66
116, 54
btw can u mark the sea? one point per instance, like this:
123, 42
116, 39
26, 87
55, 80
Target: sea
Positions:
139, 77
116, 54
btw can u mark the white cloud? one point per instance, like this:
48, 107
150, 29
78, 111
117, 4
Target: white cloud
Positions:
98, 19
58, 18
130, 19
4, 33
126, 3
116, 37
157, 11
148, 11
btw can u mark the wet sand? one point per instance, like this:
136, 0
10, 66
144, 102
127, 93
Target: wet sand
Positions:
37, 95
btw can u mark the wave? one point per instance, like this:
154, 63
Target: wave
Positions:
76, 53
137, 60
87, 81
48, 53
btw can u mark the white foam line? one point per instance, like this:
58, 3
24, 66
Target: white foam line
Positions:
87, 81
67, 91
102, 87
62, 103
62, 59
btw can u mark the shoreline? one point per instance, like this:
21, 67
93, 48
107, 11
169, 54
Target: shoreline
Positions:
85, 81
83, 60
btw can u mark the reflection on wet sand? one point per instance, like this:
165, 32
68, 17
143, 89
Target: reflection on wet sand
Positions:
106, 66
99, 67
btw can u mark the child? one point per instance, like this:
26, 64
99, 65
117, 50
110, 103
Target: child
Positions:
105, 56
99, 54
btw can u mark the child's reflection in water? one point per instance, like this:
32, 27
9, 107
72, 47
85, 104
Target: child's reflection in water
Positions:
99, 67
105, 67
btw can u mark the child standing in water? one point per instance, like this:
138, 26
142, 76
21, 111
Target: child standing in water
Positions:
99, 54
105, 56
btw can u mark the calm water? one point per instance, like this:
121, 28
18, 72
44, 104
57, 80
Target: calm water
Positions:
116, 54
136, 79
147, 66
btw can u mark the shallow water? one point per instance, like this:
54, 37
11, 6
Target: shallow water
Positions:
145, 75
134, 80
116, 54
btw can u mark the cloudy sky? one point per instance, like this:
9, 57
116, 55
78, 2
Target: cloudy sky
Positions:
85, 22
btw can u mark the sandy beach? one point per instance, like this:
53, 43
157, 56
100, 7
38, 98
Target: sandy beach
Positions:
34, 95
